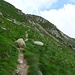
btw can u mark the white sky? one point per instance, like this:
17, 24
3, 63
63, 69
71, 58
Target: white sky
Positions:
59, 12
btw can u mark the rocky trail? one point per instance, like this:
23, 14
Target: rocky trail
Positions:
22, 67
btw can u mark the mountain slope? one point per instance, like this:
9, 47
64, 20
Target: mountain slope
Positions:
55, 57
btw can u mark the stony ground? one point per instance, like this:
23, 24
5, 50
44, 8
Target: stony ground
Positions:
22, 67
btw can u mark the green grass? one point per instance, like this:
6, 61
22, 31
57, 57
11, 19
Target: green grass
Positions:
8, 49
8, 56
49, 59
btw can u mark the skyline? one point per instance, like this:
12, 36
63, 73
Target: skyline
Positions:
59, 12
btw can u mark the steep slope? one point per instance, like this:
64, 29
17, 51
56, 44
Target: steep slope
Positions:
55, 57
52, 30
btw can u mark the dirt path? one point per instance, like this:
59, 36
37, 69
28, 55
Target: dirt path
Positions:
22, 67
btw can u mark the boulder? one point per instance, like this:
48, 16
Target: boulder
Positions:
38, 43
20, 43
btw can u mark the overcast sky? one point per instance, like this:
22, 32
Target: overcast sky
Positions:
59, 12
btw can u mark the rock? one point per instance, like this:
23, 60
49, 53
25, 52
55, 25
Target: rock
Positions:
14, 20
1, 13
70, 46
26, 37
40, 73
20, 61
17, 71
9, 19
38, 43
20, 43
3, 28
39, 19
59, 46
74, 49
20, 12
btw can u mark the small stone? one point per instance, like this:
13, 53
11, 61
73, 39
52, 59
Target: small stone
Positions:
1, 13
20, 61
17, 71
3, 28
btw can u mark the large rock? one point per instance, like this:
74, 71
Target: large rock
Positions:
38, 43
20, 43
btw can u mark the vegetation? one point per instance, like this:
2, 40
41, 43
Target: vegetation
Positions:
53, 58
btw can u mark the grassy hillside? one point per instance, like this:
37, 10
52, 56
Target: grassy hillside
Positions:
55, 57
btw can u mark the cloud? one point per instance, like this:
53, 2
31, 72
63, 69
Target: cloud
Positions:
32, 6
17, 3
63, 18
